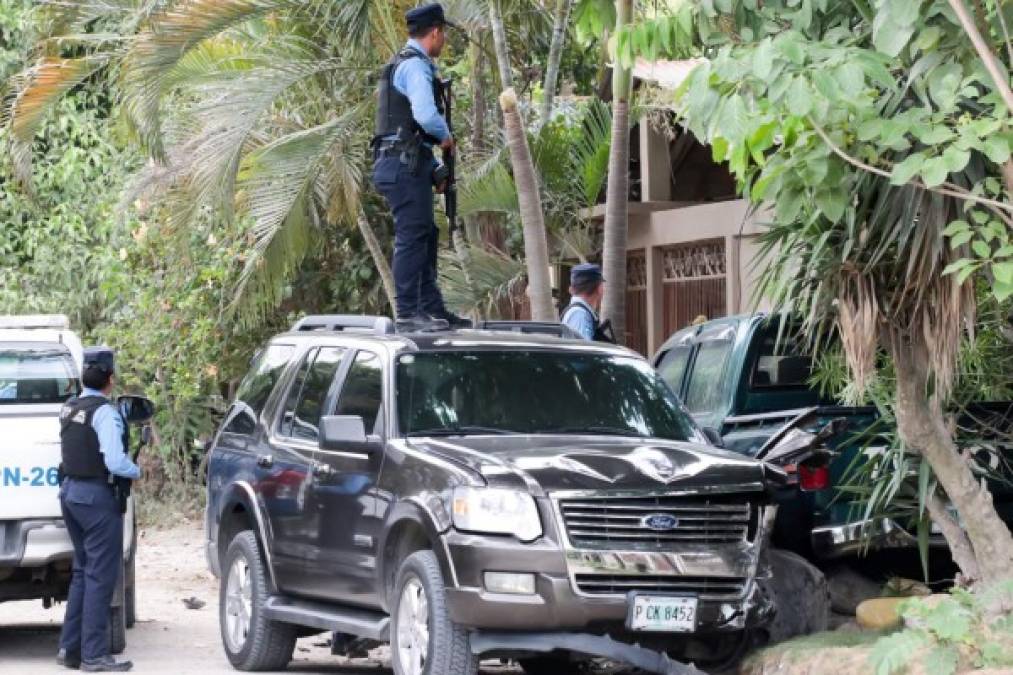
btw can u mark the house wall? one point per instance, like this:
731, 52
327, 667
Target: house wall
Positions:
652, 233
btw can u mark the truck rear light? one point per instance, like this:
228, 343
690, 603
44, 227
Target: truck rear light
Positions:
813, 479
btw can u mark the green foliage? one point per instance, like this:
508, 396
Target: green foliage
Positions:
947, 634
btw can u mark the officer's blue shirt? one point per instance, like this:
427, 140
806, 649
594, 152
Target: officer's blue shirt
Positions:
582, 322
414, 79
108, 425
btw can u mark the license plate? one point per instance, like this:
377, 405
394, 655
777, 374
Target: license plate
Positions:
665, 614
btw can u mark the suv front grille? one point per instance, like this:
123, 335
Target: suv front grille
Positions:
623, 522
707, 588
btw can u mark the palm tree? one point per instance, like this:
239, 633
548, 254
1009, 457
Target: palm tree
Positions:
618, 190
570, 158
253, 109
559, 25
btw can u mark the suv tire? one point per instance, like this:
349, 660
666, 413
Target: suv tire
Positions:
251, 641
801, 596
118, 627
419, 614
130, 584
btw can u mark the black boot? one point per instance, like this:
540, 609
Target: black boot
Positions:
72, 660
106, 664
420, 322
453, 320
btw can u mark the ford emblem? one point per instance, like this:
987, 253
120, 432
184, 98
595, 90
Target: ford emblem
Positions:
659, 521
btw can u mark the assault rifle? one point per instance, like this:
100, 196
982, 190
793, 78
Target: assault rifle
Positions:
449, 161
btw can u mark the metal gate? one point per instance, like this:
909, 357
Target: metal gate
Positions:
695, 283
636, 301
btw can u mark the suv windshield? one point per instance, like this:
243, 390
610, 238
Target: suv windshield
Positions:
536, 392
36, 375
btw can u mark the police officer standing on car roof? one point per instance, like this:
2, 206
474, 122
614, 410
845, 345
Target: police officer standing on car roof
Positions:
409, 122
95, 441
587, 288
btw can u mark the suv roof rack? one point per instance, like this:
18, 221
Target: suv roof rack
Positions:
554, 328
380, 325
29, 321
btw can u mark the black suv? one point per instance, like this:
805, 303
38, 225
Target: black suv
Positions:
477, 492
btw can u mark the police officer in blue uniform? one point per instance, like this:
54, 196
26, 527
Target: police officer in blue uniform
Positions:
409, 122
587, 288
94, 440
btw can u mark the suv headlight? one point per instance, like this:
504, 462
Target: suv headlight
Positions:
496, 511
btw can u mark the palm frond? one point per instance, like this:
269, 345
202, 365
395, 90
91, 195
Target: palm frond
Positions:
221, 126
495, 192
37, 90
488, 278
591, 151
278, 182
172, 33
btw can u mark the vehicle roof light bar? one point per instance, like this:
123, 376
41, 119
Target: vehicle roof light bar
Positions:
380, 325
51, 321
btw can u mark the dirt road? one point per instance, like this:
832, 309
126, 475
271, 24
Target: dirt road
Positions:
168, 637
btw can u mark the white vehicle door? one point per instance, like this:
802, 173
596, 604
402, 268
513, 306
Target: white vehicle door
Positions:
35, 380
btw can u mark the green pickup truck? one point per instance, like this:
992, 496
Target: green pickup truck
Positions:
743, 387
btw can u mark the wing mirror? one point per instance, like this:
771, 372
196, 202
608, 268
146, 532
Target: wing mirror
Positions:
347, 432
136, 409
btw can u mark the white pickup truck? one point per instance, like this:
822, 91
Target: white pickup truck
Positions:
40, 366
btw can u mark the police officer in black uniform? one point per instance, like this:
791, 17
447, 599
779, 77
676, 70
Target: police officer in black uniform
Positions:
410, 120
95, 441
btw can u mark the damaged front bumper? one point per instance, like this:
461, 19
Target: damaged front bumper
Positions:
647, 660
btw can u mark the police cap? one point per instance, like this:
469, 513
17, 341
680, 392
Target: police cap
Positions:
426, 16
100, 358
585, 273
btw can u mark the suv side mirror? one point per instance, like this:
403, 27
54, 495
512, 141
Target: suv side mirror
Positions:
346, 432
713, 437
136, 409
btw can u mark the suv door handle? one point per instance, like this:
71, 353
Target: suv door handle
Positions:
265, 461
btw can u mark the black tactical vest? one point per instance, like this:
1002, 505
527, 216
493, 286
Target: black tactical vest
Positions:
394, 109
79, 444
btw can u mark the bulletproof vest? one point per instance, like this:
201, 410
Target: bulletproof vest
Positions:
394, 109
79, 444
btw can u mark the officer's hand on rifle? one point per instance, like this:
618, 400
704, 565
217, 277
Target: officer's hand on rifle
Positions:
441, 176
448, 144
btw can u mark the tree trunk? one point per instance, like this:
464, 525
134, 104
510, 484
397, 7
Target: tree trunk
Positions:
617, 193
536, 246
563, 8
499, 40
922, 426
379, 259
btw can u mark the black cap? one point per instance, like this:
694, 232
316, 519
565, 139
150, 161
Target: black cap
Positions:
426, 16
585, 273
100, 358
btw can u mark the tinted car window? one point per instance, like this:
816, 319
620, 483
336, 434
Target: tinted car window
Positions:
672, 366
536, 392
780, 366
294, 391
305, 421
362, 393
706, 385
256, 387
36, 375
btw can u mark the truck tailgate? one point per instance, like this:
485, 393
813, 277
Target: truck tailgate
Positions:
29, 457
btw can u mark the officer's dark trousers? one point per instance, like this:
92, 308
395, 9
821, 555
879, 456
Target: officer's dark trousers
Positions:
410, 198
95, 524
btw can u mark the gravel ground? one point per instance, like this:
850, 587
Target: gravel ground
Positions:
168, 637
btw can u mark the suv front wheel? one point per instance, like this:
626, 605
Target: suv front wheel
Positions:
424, 641
251, 641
